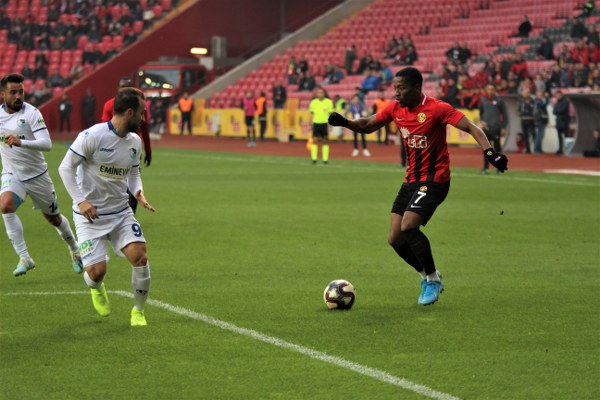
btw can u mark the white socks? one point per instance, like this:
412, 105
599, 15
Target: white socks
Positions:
435, 277
14, 230
140, 282
90, 282
65, 232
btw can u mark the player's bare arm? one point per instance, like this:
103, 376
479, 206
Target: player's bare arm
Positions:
361, 125
466, 125
142, 200
498, 160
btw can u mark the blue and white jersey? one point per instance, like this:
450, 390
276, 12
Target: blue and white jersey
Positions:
107, 161
28, 125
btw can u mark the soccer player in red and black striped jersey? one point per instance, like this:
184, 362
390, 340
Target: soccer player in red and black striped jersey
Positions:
421, 121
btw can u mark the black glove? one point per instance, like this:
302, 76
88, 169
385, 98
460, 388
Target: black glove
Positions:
336, 119
498, 160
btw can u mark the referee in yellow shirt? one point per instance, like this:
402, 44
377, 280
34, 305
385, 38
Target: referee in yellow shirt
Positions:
320, 108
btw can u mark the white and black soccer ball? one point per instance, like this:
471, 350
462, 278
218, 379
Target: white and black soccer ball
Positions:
339, 295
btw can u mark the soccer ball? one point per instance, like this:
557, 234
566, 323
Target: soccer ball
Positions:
339, 295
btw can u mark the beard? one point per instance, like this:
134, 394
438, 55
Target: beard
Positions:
14, 105
133, 126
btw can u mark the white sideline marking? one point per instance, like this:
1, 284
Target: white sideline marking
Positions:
317, 355
330, 169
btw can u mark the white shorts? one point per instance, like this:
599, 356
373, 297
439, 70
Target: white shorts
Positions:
119, 229
40, 189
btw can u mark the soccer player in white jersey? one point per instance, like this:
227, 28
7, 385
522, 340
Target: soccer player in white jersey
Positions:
23, 138
106, 158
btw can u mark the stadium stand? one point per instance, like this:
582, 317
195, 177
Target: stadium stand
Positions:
75, 37
439, 25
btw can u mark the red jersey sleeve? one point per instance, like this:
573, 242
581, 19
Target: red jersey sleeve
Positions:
108, 110
386, 115
448, 114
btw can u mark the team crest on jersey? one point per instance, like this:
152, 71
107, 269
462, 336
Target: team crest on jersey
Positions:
21, 123
423, 188
132, 152
421, 117
405, 132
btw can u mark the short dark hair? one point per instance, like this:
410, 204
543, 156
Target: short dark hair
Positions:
412, 76
127, 98
12, 78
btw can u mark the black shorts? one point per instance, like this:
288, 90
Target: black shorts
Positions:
250, 120
320, 131
421, 198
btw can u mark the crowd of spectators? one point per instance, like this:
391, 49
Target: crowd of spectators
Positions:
577, 66
78, 25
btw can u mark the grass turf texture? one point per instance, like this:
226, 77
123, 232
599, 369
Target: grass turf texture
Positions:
253, 240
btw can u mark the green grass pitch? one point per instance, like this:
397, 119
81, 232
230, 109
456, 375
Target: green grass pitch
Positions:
252, 241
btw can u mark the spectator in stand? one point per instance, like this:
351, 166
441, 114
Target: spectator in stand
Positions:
70, 42
88, 56
452, 93
43, 41
357, 110
76, 72
594, 36
279, 95
579, 30
303, 66
580, 53
349, 59
364, 63
453, 53
40, 56
371, 82
306, 82
55, 79
129, 39
465, 53
95, 35
261, 113
565, 57
561, 112
525, 27
292, 71
593, 53
526, 108
469, 98
539, 84
392, 47
493, 119
594, 79
27, 72
519, 67
40, 71
27, 41
540, 119
505, 66
410, 58
587, 9
333, 74
546, 49
379, 105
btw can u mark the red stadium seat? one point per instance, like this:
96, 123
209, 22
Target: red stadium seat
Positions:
138, 27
